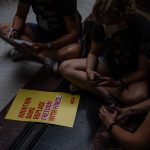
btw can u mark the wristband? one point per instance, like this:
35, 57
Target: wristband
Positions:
11, 30
111, 126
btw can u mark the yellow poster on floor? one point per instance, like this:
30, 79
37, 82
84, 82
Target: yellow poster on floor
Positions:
47, 107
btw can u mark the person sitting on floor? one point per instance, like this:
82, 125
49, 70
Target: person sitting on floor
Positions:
56, 33
121, 71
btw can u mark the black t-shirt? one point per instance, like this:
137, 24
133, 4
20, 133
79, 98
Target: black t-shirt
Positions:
50, 13
123, 49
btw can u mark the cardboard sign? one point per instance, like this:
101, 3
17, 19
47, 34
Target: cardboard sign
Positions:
46, 107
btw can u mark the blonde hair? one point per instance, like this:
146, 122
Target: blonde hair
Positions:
114, 9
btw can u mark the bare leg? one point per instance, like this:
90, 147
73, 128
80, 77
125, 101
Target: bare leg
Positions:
132, 94
74, 71
67, 52
135, 93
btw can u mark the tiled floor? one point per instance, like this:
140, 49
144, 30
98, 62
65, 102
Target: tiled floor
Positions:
14, 75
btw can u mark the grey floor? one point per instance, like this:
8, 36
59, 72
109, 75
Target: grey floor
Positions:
13, 75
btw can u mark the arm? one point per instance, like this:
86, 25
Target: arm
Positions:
73, 27
139, 74
92, 61
20, 16
137, 140
134, 109
93, 56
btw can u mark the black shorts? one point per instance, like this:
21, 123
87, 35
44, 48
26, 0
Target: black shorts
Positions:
42, 35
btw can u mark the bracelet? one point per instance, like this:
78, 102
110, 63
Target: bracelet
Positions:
111, 126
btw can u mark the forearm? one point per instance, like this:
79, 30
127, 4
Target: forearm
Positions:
17, 23
131, 140
140, 107
123, 136
126, 138
91, 62
21, 15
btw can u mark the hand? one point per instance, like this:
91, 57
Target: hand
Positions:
106, 116
93, 77
39, 47
109, 82
123, 113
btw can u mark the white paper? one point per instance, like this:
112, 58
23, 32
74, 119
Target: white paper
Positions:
22, 41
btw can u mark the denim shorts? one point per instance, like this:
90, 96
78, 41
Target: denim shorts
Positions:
42, 35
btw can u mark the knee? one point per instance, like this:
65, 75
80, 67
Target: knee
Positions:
68, 52
134, 97
73, 51
76, 49
65, 66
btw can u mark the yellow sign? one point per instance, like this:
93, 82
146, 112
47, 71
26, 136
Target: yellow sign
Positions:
47, 107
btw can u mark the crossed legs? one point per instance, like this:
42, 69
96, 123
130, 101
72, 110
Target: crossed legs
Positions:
67, 52
75, 71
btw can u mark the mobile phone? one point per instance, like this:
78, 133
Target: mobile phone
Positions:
110, 106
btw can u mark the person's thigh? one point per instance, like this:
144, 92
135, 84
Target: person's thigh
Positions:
132, 94
80, 64
75, 64
70, 51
